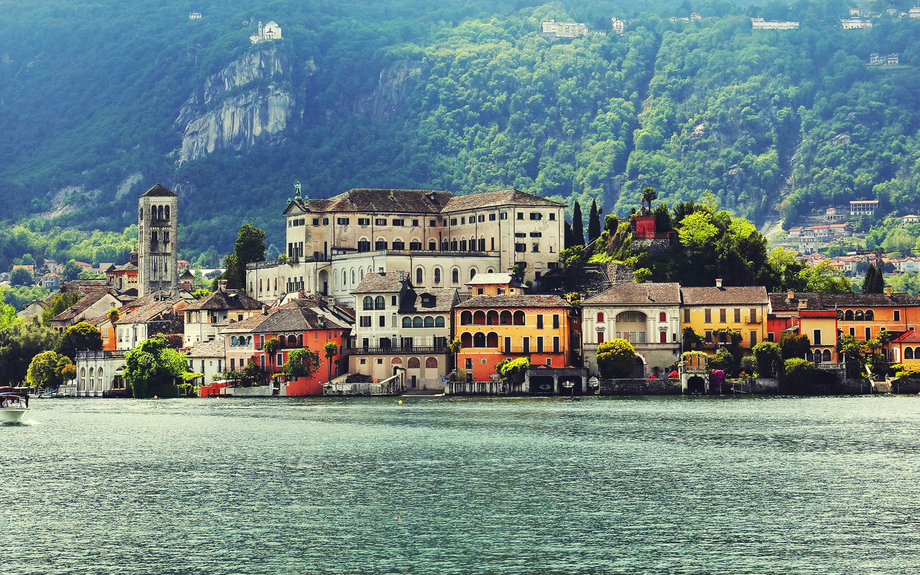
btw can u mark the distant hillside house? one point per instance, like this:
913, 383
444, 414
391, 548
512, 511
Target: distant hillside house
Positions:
266, 33
855, 24
914, 12
761, 24
841, 139
564, 29
194, 15
884, 59
863, 207
834, 215
618, 26
910, 219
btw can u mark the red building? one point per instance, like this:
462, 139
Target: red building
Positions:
305, 324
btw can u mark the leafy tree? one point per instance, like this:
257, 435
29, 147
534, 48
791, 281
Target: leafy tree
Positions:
611, 223
58, 305
690, 338
46, 369
201, 293
616, 358
578, 227
248, 248
769, 358
79, 337
302, 363
509, 368
594, 222
152, 369
21, 277
794, 345
113, 315
71, 271
19, 343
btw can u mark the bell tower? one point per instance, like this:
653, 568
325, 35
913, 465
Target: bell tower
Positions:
157, 231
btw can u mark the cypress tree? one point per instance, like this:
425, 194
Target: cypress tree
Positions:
869, 282
567, 238
594, 222
578, 226
879, 285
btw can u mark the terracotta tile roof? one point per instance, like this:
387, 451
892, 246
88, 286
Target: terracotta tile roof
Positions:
375, 282
300, 319
90, 298
158, 191
498, 198
248, 325
724, 295
143, 314
518, 301
656, 293
214, 348
440, 300
379, 200
908, 337
225, 300
780, 301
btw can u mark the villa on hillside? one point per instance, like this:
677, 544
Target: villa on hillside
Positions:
266, 33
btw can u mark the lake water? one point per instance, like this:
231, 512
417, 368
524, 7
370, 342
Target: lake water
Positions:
440, 485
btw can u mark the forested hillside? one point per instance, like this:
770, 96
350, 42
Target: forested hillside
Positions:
99, 101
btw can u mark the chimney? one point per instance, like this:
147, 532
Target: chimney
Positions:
719, 283
803, 304
222, 285
888, 291
264, 310
790, 295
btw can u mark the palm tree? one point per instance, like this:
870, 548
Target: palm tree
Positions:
455, 347
331, 349
649, 195
271, 346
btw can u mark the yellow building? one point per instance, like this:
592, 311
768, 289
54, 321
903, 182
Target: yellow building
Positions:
711, 310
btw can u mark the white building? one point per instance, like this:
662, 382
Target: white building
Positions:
266, 33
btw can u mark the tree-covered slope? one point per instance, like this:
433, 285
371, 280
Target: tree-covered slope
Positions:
95, 103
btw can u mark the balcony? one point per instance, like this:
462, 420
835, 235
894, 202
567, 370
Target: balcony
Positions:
406, 349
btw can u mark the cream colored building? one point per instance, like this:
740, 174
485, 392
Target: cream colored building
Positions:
439, 240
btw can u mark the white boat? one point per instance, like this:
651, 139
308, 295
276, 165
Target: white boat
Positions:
13, 406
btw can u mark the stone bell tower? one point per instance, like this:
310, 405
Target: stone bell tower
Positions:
157, 231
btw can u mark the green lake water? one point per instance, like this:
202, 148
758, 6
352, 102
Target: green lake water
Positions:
441, 485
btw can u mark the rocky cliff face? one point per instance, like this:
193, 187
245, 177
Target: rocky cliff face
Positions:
393, 89
248, 102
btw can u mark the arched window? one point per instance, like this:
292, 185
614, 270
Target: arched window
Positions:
472, 273
600, 317
810, 356
870, 315
505, 318
417, 322
492, 339
407, 322
445, 246
479, 317
466, 340
466, 317
364, 245
368, 302
399, 244
249, 340
418, 276
415, 245
437, 275
479, 339
489, 271
352, 277
908, 353
439, 322
519, 318
344, 278
379, 302
492, 317
429, 321
414, 363
859, 316
848, 316
826, 356
432, 246
160, 213
396, 361
167, 212
455, 275
662, 317
431, 362
380, 244
233, 341
291, 341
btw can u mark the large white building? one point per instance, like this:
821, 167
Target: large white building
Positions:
438, 239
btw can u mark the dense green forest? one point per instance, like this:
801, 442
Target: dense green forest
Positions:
90, 93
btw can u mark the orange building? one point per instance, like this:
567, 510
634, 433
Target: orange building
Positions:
304, 324
492, 328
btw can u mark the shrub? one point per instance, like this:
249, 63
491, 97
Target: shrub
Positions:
616, 358
797, 374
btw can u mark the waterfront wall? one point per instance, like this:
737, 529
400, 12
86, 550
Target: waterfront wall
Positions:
639, 387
